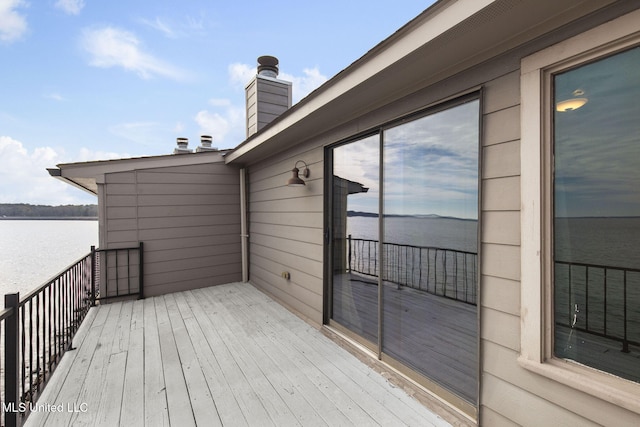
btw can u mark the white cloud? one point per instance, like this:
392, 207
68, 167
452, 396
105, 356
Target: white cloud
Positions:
150, 134
25, 178
13, 25
226, 128
175, 28
304, 85
71, 7
115, 47
159, 25
88, 155
54, 96
220, 102
241, 74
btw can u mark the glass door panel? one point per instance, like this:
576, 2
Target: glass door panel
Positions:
354, 236
429, 259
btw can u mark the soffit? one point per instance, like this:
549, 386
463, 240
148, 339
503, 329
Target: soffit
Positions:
446, 39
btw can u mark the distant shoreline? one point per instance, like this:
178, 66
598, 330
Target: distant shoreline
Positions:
48, 218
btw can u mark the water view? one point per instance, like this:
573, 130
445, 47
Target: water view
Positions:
33, 251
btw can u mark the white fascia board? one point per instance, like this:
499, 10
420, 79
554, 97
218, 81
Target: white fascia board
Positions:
86, 175
432, 23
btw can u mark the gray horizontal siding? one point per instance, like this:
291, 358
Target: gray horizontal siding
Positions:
511, 395
188, 218
286, 232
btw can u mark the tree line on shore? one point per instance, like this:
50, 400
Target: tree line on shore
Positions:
25, 210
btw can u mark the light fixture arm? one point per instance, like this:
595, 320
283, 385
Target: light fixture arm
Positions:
295, 180
306, 172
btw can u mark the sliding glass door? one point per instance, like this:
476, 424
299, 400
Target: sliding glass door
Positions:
430, 246
355, 199
404, 251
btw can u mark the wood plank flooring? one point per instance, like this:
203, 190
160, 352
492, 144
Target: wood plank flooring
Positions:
225, 355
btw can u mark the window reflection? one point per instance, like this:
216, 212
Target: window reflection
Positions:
430, 257
425, 268
597, 216
355, 197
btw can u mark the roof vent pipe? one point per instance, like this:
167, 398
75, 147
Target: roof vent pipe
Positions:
182, 143
205, 144
268, 66
205, 141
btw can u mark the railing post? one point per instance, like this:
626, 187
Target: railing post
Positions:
141, 271
93, 276
349, 253
11, 366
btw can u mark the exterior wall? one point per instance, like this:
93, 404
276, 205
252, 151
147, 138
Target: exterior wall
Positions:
188, 218
511, 394
285, 232
286, 226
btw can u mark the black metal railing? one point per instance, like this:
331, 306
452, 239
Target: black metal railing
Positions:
119, 273
600, 300
439, 271
38, 328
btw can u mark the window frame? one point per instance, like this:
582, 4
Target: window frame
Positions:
536, 215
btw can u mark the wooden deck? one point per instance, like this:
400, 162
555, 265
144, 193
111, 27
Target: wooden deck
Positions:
224, 355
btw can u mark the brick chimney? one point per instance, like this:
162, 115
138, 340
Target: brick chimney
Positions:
266, 96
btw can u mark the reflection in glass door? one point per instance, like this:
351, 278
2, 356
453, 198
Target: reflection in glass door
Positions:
411, 294
430, 246
354, 226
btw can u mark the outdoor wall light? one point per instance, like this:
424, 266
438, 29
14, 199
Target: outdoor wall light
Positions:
572, 103
295, 180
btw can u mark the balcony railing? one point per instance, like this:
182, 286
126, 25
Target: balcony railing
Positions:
600, 300
39, 328
444, 272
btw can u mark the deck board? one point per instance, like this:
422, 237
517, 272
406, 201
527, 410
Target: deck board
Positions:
225, 355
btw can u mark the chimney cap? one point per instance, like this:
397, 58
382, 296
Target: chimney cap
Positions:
268, 66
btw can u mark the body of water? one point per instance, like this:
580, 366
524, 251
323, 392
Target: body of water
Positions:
449, 233
33, 251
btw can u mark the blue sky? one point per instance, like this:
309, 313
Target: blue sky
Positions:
87, 80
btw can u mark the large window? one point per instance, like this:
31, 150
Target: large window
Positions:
404, 246
596, 214
580, 212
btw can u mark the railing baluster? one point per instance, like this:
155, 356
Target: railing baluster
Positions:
620, 330
406, 265
605, 301
37, 298
30, 379
625, 342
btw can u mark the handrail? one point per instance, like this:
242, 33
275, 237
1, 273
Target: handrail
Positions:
439, 271
591, 308
39, 327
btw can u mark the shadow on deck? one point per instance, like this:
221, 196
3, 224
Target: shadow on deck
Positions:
224, 355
